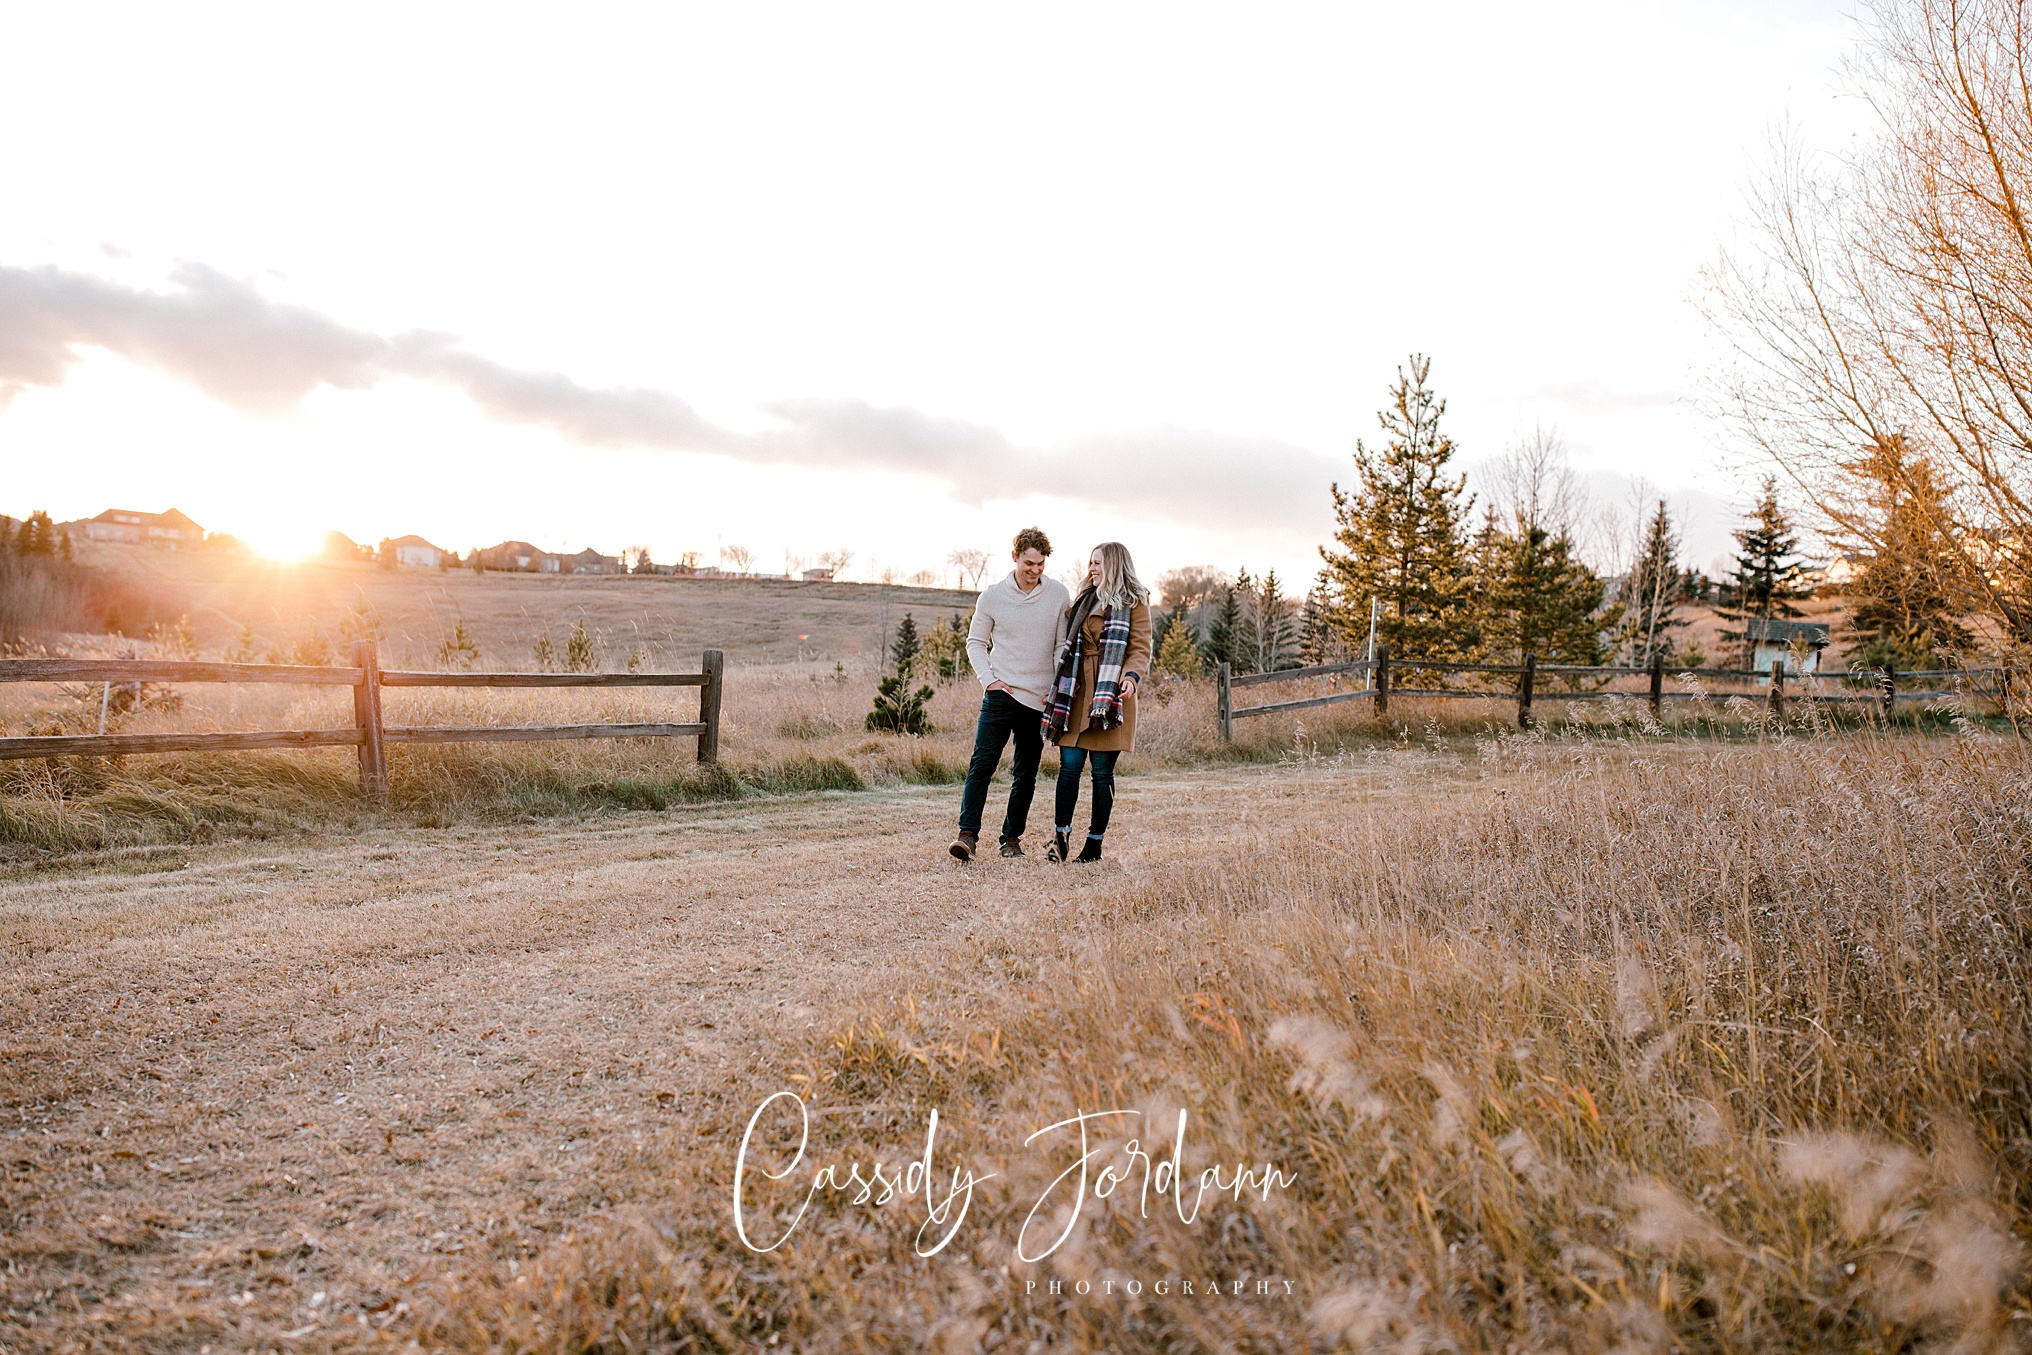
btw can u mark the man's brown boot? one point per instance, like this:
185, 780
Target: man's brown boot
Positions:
1012, 846
963, 845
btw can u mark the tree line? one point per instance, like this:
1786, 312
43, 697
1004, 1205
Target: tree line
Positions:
1414, 565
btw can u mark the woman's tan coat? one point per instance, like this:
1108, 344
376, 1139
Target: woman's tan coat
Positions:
1122, 737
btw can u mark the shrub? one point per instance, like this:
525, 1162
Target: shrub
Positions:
898, 709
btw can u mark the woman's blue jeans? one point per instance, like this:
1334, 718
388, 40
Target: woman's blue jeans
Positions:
1070, 761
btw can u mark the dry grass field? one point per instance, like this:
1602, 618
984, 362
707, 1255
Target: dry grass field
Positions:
1568, 1041
1614, 1035
668, 619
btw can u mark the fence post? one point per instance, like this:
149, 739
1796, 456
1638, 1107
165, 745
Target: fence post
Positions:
1224, 703
714, 667
1890, 687
1382, 680
1778, 688
1658, 686
367, 718
1525, 683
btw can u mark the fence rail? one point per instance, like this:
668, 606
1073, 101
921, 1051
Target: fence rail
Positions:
369, 733
1380, 670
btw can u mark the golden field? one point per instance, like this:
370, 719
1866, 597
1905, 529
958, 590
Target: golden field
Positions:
1707, 1034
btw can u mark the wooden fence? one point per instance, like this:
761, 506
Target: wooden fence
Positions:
1379, 672
368, 733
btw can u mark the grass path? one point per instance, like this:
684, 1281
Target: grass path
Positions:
255, 1095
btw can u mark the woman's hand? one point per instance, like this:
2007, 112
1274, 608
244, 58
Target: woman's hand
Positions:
1128, 687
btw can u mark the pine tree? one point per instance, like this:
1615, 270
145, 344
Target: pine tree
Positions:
38, 535
1652, 593
898, 709
1224, 642
456, 652
1535, 597
904, 648
1179, 653
1769, 575
581, 655
1400, 537
1906, 602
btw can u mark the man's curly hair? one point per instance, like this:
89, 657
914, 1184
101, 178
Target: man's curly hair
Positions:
1033, 538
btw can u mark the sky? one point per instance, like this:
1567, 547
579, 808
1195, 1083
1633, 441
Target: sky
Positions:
894, 279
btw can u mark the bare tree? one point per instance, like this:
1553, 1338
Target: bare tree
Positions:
1191, 585
972, 563
736, 556
1533, 484
635, 559
1887, 295
836, 560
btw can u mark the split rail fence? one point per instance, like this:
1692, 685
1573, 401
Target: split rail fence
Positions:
1380, 670
369, 734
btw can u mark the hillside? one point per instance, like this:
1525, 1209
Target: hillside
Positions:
667, 618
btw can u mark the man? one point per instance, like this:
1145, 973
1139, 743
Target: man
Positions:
1013, 645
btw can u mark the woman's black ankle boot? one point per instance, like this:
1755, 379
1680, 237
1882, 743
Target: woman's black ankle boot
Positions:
1061, 847
1090, 852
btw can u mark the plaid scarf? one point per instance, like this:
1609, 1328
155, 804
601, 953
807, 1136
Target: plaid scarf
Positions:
1104, 709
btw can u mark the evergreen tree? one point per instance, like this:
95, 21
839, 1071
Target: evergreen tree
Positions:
1224, 636
581, 655
1906, 601
904, 648
1769, 575
898, 709
1652, 593
1400, 537
38, 535
1535, 597
1179, 653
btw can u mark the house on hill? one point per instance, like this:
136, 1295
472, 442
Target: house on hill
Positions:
171, 530
339, 546
819, 575
590, 561
1796, 644
414, 552
517, 557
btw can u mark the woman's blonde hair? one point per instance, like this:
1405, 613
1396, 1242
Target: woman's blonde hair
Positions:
1119, 586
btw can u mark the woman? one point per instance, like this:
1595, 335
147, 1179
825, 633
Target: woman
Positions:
1092, 712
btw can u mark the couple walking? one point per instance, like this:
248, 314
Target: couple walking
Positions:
1059, 667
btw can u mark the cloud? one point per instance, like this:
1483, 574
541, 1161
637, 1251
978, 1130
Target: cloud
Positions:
226, 338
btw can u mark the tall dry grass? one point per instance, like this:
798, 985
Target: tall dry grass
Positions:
1717, 1048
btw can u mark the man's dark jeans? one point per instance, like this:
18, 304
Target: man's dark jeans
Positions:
1002, 716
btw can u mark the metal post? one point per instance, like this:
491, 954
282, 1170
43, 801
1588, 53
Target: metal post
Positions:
714, 667
1890, 687
1778, 688
367, 719
1525, 683
1224, 703
1658, 686
1382, 679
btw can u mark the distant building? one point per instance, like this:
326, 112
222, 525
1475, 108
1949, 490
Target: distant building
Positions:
170, 530
1796, 644
590, 561
339, 546
820, 575
514, 557
414, 552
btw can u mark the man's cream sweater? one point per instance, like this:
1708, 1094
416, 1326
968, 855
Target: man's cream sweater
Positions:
1015, 636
